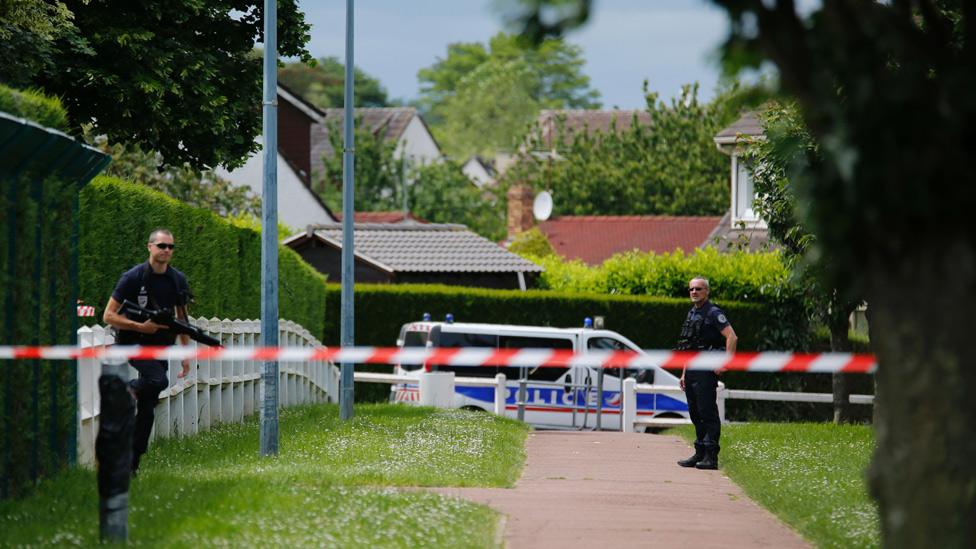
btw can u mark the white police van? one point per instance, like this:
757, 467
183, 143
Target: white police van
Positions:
563, 397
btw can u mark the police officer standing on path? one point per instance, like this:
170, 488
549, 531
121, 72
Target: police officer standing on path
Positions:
153, 285
705, 329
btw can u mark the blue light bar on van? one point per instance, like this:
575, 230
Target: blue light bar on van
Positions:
426, 317
587, 322
449, 318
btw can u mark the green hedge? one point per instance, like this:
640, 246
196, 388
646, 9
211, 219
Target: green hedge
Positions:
651, 322
34, 106
221, 261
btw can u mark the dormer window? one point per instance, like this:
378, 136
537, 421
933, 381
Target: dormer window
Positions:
743, 194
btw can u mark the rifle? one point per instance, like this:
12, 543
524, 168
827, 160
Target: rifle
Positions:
165, 317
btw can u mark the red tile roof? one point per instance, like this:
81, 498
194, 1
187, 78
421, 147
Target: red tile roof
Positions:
594, 239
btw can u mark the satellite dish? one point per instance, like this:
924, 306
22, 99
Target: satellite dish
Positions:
542, 206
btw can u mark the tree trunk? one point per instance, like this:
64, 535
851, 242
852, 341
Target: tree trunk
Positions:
840, 343
923, 473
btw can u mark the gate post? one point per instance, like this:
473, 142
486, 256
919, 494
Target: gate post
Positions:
630, 406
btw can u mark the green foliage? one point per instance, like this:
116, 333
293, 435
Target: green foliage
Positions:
28, 32
438, 192
669, 166
809, 475
441, 193
532, 244
331, 484
221, 261
380, 176
550, 76
322, 83
489, 111
175, 77
193, 187
740, 276
34, 106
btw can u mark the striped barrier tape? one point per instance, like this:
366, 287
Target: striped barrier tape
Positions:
472, 356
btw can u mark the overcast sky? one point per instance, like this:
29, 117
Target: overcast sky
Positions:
667, 42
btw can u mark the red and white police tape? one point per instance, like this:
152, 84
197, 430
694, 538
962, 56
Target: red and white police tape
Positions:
471, 356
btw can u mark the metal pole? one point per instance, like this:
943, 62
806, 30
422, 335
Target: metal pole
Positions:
599, 400
346, 336
269, 232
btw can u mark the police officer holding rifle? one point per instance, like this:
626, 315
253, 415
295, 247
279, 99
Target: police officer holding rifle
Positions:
152, 286
705, 329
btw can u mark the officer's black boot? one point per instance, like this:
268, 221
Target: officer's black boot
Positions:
710, 461
693, 460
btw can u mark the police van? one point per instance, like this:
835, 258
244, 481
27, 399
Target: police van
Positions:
557, 397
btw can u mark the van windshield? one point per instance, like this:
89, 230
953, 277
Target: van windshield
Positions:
414, 339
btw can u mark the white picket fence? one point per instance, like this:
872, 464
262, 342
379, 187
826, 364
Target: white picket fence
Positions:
215, 391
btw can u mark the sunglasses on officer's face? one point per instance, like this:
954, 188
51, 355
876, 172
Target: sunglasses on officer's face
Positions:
695, 289
164, 246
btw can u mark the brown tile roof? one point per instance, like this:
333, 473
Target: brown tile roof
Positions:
747, 125
726, 238
389, 122
569, 122
593, 239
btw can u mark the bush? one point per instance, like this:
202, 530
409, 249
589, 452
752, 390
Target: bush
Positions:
222, 261
34, 106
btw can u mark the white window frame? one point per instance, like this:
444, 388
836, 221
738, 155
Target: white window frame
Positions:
752, 221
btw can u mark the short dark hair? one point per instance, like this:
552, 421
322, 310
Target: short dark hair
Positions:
158, 231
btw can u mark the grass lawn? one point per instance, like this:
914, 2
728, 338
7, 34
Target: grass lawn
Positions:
811, 475
332, 484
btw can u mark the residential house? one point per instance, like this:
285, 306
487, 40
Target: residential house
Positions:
298, 206
595, 238
567, 123
416, 253
741, 227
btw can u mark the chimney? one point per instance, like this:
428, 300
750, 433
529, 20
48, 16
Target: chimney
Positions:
519, 209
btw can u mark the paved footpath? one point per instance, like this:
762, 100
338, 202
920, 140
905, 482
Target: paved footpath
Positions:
609, 489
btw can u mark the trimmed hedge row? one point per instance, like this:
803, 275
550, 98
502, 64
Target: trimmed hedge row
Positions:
221, 261
651, 322
34, 106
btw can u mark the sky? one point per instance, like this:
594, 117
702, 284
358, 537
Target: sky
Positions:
667, 42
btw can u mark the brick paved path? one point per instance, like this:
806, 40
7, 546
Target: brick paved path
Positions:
613, 490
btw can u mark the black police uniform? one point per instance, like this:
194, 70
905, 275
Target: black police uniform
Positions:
154, 291
702, 331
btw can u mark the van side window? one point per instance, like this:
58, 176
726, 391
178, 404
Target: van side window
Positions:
455, 340
535, 373
611, 344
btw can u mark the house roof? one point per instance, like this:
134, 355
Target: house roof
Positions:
314, 113
573, 121
594, 239
382, 217
388, 122
725, 237
747, 125
431, 247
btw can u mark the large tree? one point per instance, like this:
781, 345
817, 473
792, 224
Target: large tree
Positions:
668, 165
786, 151
551, 75
174, 76
886, 89
322, 83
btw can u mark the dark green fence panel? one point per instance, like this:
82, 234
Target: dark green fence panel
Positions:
41, 171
